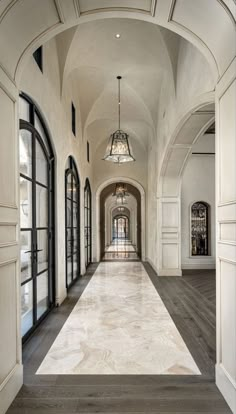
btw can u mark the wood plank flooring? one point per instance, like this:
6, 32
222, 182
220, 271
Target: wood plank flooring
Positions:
190, 302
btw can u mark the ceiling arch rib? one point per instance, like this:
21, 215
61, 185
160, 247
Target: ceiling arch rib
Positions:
213, 28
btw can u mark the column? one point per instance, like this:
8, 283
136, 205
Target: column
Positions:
169, 237
226, 234
11, 372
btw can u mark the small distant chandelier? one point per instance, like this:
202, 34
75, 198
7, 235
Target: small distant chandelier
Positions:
118, 149
121, 209
120, 190
121, 199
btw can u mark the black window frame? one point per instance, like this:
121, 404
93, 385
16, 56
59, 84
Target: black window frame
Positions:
48, 151
88, 229
72, 169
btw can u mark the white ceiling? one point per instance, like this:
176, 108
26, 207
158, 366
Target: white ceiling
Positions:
94, 58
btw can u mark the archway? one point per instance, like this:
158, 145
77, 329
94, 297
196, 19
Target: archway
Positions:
104, 190
186, 134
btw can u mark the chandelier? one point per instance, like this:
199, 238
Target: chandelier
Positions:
120, 190
121, 199
118, 149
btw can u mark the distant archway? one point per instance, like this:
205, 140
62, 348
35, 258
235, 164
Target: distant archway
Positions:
141, 245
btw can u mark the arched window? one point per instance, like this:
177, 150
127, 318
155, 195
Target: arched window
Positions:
87, 223
121, 227
36, 217
72, 206
199, 228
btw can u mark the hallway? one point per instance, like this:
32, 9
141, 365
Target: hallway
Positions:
119, 326
58, 387
117, 206
121, 249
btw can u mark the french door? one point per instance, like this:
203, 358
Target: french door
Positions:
36, 218
72, 192
87, 223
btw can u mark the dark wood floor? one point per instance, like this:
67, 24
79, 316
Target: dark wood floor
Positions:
190, 301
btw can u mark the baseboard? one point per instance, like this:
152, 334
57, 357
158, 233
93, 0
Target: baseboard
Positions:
169, 272
200, 266
60, 299
151, 264
10, 388
226, 387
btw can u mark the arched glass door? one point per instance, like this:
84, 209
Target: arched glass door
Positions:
36, 217
87, 223
72, 223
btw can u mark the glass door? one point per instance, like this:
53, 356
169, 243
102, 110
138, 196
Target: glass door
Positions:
87, 224
36, 218
72, 223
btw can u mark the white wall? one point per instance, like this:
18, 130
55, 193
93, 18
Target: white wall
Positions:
198, 184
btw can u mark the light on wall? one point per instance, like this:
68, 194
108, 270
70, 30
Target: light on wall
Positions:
118, 149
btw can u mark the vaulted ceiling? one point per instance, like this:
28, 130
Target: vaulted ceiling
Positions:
92, 56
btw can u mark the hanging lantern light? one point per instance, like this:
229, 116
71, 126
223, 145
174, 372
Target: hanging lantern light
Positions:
118, 148
120, 189
121, 199
121, 209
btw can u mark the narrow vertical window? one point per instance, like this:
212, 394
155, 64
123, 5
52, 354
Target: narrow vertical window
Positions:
88, 154
38, 57
199, 228
73, 118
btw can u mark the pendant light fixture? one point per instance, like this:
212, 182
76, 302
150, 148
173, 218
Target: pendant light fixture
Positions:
118, 148
121, 199
120, 189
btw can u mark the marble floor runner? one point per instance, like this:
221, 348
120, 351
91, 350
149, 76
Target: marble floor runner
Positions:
119, 326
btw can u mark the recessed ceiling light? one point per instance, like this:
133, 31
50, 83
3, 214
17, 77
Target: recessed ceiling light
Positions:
118, 35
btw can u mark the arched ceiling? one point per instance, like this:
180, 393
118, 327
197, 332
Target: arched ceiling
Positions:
93, 60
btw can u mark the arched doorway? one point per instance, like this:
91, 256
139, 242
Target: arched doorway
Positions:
87, 223
36, 217
72, 222
137, 192
120, 227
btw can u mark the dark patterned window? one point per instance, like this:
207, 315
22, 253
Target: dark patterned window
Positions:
199, 228
38, 57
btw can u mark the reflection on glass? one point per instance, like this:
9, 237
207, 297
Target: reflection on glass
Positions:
40, 129
69, 186
25, 203
75, 214
69, 242
25, 152
75, 265
41, 165
26, 267
42, 294
75, 240
42, 244
69, 271
68, 217
42, 204
26, 308
24, 110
